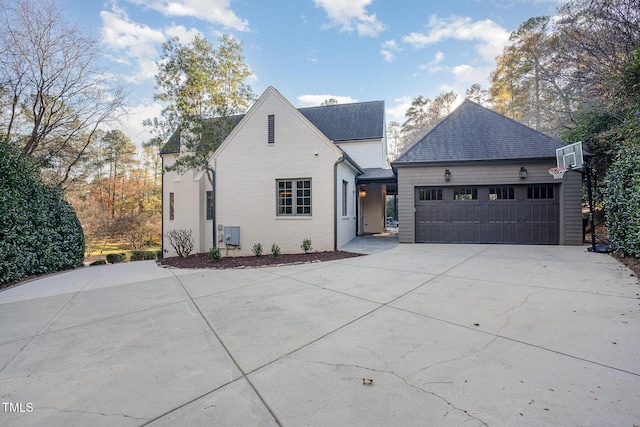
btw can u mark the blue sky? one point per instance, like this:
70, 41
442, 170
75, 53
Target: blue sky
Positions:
312, 50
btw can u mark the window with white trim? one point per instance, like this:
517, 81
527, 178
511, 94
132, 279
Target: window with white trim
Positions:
171, 206
293, 197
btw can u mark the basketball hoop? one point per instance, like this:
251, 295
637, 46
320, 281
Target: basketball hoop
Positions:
558, 173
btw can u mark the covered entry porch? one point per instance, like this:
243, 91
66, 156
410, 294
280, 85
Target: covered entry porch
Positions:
375, 188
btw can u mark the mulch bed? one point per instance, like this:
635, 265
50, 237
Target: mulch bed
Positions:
631, 262
203, 260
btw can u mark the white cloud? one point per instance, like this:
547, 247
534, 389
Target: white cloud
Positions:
215, 11
122, 34
387, 50
131, 122
468, 74
179, 31
348, 14
490, 36
397, 113
132, 43
432, 66
315, 100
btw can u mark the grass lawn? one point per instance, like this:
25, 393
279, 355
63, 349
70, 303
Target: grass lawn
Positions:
101, 252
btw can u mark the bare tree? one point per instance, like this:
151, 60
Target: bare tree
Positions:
54, 94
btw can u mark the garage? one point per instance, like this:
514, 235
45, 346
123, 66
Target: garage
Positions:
515, 214
480, 177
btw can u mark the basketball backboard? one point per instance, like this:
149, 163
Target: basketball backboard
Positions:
570, 156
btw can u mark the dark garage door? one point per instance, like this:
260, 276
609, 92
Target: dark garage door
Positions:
516, 214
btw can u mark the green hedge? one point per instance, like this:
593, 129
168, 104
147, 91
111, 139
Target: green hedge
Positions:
116, 258
622, 200
39, 230
143, 255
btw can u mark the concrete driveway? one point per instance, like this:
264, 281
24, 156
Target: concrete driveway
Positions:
444, 335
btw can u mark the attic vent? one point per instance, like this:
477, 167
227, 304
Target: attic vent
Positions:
271, 138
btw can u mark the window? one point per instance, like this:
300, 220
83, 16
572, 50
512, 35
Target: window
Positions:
465, 194
345, 194
502, 193
430, 194
271, 133
294, 197
540, 192
171, 205
209, 205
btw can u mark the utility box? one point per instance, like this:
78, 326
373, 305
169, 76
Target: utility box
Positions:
231, 236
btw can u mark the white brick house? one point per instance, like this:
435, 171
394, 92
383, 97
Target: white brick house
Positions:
283, 175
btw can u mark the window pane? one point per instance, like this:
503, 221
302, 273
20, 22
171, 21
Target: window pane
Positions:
209, 205
465, 193
294, 204
285, 198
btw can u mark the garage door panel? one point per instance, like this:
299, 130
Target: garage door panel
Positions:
497, 215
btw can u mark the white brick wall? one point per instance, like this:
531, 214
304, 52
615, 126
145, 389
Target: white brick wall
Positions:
247, 168
189, 206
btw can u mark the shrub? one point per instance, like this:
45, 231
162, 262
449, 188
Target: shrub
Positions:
159, 254
98, 262
39, 230
214, 254
115, 258
257, 249
181, 241
622, 200
275, 250
306, 245
142, 255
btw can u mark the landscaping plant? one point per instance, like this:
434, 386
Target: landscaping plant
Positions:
181, 241
214, 254
257, 249
39, 230
306, 246
275, 250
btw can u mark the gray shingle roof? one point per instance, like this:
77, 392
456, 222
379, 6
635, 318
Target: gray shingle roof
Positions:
173, 144
343, 122
377, 175
340, 122
473, 132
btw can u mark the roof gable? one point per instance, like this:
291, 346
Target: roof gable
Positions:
473, 132
340, 122
270, 94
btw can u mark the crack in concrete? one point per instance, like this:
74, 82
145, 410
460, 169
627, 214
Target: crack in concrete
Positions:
515, 307
404, 380
77, 411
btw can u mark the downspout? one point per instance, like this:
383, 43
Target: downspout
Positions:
214, 241
335, 201
162, 207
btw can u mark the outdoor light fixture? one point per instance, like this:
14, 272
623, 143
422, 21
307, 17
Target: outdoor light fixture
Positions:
523, 172
447, 175
363, 192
